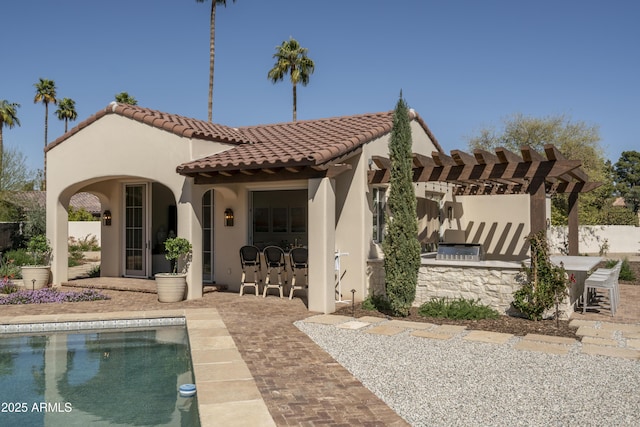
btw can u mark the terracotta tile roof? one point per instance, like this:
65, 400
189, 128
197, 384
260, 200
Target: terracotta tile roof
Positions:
302, 143
179, 125
28, 199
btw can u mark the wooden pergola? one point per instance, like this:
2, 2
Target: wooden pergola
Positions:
505, 172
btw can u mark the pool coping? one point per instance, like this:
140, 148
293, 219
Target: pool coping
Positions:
226, 390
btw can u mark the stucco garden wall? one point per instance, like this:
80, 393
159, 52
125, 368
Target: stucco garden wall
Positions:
621, 239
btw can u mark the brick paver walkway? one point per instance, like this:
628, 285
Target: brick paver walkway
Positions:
299, 382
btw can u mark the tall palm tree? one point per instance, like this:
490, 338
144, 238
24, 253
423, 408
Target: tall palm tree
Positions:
125, 98
8, 118
45, 93
66, 111
212, 48
292, 59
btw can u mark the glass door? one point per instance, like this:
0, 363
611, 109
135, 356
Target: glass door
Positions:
135, 230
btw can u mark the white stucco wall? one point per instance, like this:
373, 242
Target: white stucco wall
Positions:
621, 239
82, 229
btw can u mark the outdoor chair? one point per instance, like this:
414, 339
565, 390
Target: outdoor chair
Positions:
250, 258
602, 279
274, 260
299, 261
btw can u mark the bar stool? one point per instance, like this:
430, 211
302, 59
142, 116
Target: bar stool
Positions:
299, 260
250, 257
274, 259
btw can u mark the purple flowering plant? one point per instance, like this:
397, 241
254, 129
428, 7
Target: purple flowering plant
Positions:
10, 295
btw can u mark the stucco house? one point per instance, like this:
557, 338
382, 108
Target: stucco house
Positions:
315, 183
299, 183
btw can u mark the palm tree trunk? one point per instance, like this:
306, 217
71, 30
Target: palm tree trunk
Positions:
46, 127
295, 103
212, 53
1, 153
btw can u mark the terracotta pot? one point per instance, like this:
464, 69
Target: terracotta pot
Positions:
171, 287
40, 273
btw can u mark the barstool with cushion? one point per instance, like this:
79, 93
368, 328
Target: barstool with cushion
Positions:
299, 261
274, 259
250, 257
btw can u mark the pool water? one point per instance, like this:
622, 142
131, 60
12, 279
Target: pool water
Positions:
104, 378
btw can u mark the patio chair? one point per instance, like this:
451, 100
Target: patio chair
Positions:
299, 261
602, 279
250, 258
274, 260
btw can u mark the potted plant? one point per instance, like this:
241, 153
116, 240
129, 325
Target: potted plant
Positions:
171, 286
36, 274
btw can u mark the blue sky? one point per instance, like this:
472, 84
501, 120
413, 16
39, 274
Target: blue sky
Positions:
462, 64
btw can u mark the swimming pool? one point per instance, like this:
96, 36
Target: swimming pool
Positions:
127, 377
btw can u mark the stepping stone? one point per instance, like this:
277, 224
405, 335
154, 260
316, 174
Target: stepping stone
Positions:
549, 339
624, 327
576, 323
488, 337
599, 341
634, 335
354, 324
371, 319
449, 329
328, 319
633, 344
543, 347
385, 330
599, 350
587, 331
432, 335
410, 325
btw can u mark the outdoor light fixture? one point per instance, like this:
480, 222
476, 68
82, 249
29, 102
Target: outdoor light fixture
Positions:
450, 213
228, 217
106, 216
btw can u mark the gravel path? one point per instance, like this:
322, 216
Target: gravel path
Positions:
460, 383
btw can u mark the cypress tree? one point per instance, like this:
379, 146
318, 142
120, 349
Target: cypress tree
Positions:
400, 244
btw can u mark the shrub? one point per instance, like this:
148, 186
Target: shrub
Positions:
87, 243
9, 268
7, 287
626, 273
376, 302
546, 283
458, 308
94, 272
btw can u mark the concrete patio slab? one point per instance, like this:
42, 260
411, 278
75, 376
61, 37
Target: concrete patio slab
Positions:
449, 329
633, 344
236, 414
372, 319
227, 391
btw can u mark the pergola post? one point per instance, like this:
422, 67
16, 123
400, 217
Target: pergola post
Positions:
537, 205
573, 223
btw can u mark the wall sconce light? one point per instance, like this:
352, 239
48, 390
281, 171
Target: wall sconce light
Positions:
106, 217
228, 217
450, 213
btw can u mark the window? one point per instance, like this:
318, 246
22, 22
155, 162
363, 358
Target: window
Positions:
379, 203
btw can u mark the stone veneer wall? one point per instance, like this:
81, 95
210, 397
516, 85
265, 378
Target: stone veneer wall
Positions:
494, 286
493, 282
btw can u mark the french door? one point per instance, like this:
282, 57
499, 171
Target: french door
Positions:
135, 230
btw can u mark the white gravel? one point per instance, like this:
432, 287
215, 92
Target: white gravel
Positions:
456, 382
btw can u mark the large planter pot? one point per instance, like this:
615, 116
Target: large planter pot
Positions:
40, 273
171, 287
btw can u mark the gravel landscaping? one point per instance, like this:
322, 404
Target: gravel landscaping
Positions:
456, 382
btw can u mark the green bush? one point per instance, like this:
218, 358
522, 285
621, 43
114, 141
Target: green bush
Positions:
626, 273
12, 261
87, 243
458, 308
95, 271
376, 302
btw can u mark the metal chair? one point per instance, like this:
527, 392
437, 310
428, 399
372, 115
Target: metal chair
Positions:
250, 257
299, 260
274, 260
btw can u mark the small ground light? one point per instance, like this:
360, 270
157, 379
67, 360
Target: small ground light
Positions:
353, 303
